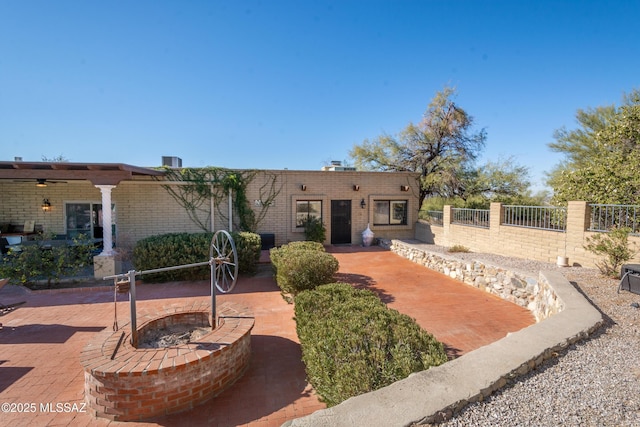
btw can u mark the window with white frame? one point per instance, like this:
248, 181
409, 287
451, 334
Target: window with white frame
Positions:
390, 212
307, 209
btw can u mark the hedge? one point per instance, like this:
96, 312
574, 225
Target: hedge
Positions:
189, 248
353, 344
300, 266
276, 254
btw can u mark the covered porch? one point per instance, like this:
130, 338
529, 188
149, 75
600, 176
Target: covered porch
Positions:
57, 198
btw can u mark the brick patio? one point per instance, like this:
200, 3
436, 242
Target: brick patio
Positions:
41, 343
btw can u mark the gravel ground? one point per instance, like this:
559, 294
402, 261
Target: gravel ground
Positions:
595, 382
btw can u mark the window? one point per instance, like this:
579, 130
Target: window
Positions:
306, 209
86, 218
390, 212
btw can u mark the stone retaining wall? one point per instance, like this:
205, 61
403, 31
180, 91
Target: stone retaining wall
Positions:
533, 293
438, 393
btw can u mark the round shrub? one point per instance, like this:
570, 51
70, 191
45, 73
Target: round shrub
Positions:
352, 343
303, 269
276, 254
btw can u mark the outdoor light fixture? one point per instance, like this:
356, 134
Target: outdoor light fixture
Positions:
356, 187
41, 182
303, 187
363, 204
404, 188
46, 206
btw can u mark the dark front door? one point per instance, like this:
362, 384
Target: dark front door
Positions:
340, 222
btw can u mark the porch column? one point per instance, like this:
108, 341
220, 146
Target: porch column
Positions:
107, 238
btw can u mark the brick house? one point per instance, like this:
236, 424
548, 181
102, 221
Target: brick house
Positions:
66, 199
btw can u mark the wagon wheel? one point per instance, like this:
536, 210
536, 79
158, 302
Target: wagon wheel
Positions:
224, 258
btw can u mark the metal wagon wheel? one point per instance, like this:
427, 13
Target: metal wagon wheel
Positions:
224, 259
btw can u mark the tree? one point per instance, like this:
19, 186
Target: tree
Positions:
499, 181
603, 158
441, 148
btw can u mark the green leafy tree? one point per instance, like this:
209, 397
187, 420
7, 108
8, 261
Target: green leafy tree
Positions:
501, 181
440, 148
602, 162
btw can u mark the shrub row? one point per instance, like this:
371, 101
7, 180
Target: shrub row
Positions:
353, 344
46, 259
189, 248
300, 266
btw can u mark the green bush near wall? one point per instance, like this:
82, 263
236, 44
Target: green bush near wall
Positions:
300, 266
276, 254
172, 249
353, 344
249, 247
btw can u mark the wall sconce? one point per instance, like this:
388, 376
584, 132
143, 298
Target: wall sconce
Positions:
404, 188
356, 187
303, 187
46, 206
363, 204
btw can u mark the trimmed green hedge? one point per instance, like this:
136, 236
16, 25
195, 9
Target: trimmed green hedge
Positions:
300, 266
249, 247
167, 250
353, 344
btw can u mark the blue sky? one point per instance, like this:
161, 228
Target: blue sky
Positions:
295, 84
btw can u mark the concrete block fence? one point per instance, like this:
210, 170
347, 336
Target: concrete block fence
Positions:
518, 241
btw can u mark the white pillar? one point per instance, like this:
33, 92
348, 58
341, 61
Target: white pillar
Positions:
230, 210
107, 238
212, 208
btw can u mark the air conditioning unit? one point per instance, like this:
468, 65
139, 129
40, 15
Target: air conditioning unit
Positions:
172, 161
630, 278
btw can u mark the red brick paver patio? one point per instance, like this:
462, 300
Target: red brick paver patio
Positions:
41, 341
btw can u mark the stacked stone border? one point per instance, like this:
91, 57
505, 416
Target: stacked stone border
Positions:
140, 383
534, 294
438, 393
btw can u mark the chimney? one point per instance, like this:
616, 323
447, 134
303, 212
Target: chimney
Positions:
172, 161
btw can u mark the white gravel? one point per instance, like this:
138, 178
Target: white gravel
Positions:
593, 383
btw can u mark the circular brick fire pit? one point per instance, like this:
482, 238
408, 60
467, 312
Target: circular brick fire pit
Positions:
125, 383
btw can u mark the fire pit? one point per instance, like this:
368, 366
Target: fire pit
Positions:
174, 330
125, 383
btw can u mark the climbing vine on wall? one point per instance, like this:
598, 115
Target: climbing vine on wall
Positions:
195, 188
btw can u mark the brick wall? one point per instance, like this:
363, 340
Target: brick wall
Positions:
142, 383
145, 208
541, 245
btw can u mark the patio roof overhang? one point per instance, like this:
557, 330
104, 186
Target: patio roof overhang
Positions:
96, 173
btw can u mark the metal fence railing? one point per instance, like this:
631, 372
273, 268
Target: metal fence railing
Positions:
433, 217
472, 217
605, 217
540, 217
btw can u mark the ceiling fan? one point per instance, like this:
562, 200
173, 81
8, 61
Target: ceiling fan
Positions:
41, 182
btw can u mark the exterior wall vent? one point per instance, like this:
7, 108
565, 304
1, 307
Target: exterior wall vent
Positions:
172, 161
